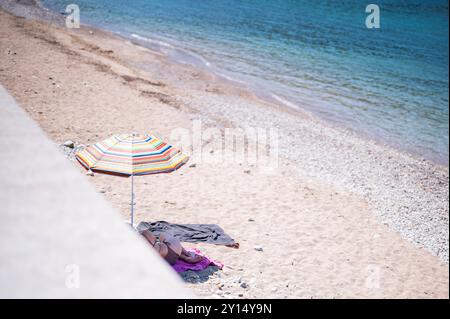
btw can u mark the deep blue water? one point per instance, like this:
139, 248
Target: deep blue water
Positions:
389, 83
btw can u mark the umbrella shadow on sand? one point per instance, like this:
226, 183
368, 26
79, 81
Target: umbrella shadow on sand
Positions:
197, 277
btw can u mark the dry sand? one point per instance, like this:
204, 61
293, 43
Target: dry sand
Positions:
319, 237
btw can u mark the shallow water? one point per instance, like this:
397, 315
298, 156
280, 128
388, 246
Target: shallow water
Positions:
389, 83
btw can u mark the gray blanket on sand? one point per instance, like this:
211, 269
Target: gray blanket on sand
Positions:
192, 233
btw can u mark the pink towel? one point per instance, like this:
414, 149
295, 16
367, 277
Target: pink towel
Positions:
181, 265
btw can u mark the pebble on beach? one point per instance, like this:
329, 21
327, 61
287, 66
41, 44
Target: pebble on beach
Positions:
69, 144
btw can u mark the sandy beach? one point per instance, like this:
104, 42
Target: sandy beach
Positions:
341, 216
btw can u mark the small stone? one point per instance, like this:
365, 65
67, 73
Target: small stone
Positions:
258, 248
244, 285
251, 220
69, 144
193, 165
91, 32
247, 171
240, 295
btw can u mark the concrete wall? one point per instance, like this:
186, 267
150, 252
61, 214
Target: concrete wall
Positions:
57, 233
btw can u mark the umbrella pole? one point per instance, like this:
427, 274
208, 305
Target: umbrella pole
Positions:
132, 199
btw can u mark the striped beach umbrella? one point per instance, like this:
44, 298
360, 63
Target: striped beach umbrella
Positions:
130, 155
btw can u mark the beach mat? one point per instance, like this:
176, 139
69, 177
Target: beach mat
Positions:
190, 233
182, 266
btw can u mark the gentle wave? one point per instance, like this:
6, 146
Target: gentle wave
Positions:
152, 41
285, 102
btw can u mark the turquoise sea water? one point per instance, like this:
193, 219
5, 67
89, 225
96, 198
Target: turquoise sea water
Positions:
389, 83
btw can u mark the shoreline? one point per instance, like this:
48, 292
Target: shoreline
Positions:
334, 178
284, 105
257, 91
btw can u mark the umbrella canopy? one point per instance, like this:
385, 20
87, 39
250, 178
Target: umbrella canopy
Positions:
131, 154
